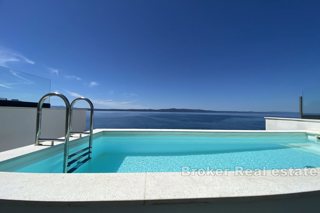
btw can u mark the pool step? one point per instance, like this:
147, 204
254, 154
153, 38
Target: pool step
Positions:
80, 163
76, 159
312, 148
78, 152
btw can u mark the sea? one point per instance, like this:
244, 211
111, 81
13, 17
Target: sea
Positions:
186, 120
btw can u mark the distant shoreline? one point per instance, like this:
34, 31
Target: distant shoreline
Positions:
182, 110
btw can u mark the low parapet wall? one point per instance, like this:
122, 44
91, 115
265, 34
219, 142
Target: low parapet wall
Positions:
18, 125
277, 123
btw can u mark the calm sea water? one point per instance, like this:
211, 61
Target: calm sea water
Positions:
182, 120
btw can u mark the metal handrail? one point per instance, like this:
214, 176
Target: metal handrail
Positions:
67, 124
91, 118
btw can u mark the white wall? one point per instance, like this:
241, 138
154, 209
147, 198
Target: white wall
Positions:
18, 124
292, 124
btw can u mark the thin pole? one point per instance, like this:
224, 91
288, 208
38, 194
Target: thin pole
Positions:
301, 106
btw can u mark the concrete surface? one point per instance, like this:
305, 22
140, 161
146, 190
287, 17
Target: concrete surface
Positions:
275, 123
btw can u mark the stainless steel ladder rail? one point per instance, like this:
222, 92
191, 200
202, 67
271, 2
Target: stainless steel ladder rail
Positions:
87, 151
67, 125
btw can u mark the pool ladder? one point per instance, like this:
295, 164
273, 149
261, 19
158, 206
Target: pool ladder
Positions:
78, 158
72, 161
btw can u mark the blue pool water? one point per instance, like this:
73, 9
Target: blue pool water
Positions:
174, 151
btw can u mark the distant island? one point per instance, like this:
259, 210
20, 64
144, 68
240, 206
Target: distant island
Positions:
185, 110
175, 110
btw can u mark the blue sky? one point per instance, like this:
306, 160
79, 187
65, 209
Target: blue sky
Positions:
221, 55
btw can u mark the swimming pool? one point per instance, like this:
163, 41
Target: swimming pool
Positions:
174, 151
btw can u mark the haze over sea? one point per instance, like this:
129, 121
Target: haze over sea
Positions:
185, 120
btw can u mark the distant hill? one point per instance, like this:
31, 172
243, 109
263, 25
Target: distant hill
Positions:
176, 110
186, 110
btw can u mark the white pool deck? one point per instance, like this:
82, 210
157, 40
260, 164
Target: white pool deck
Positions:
144, 188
